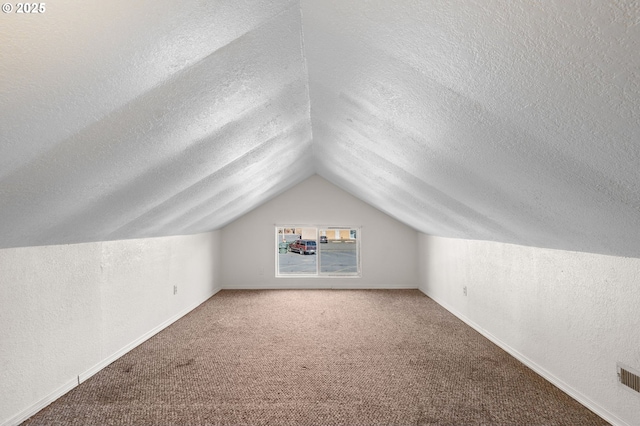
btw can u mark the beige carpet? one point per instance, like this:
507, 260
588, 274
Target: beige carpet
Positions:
317, 357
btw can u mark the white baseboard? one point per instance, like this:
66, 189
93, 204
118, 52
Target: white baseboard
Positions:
311, 286
575, 394
30, 411
33, 409
108, 360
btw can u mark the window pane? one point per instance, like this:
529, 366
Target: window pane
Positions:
296, 248
338, 251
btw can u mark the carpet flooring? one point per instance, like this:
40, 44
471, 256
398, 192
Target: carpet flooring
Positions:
317, 357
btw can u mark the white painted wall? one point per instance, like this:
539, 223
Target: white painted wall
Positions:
388, 248
67, 311
568, 315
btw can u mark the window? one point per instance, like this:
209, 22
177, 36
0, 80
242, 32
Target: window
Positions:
338, 251
327, 251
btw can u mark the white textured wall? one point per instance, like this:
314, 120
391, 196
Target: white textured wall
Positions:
69, 310
387, 247
571, 316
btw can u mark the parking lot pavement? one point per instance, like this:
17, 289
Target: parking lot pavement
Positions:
294, 263
341, 261
333, 257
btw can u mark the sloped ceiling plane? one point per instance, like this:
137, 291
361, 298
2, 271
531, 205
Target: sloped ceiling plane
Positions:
512, 121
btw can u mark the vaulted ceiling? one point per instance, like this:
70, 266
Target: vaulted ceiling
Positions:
514, 121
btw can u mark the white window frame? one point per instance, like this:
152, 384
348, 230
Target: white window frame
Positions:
318, 273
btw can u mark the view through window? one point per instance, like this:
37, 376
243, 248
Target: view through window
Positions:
317, 251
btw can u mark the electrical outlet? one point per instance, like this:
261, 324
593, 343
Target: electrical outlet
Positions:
175, 289
464, 290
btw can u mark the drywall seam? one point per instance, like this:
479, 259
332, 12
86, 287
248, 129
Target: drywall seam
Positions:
108, 360
82, 377
578, 396
30, 411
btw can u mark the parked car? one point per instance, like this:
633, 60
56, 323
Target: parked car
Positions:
323, 239
303, 246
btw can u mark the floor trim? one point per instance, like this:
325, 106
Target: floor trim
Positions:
297, 286
33, 409
82, 377
62, 390
575, 394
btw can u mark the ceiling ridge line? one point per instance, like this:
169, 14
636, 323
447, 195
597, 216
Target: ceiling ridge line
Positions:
303, 52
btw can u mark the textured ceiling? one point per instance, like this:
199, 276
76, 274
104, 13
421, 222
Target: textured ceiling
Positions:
514, 121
